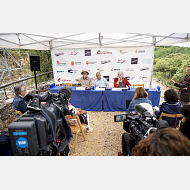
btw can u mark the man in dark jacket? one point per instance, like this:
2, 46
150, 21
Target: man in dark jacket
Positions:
18, 103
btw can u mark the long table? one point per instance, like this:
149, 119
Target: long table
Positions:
116, 100
91, 100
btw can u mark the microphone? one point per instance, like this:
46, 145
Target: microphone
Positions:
142, 110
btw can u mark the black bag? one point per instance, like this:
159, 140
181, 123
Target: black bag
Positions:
5, 144
83, 119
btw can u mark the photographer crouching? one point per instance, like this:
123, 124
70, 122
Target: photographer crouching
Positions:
137, 126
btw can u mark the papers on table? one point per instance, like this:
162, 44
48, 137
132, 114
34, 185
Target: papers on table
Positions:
118, 89
80, 88
99, 88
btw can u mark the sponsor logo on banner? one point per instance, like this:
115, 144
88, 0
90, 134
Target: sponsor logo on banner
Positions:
59, 79
75, 63
58, 54
129, 69
123, 52
111, 69
91, 62
87, 52
74, 53
140, 51
60, 64
107, 78
132, 78
72, 71
60, 71
107, 61
143, 77
116, 69
65, 80
144, 68
100, 70
134, 60
121, 61
103, 52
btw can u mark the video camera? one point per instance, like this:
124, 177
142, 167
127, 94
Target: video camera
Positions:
43, 129
140, 125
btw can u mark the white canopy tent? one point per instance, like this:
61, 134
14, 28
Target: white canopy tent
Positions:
72, 41
47, 41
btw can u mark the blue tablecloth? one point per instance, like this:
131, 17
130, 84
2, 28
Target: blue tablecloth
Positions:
89, 100
116, 100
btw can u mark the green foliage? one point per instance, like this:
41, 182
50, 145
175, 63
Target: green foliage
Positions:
45, 63
171, 60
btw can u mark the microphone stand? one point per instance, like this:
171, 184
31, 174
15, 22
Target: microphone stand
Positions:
35, 81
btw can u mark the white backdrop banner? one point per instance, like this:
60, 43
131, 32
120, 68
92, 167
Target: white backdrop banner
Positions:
136, 63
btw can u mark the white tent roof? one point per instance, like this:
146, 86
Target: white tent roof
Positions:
43, 41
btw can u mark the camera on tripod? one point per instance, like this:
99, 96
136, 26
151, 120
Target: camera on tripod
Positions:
43, 129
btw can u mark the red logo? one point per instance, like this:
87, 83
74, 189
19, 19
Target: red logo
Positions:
143, 77
74, 53
59, 80
103, 52
58, 62
121, 61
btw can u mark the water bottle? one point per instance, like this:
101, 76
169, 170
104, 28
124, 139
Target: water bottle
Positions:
129, 87
158, 88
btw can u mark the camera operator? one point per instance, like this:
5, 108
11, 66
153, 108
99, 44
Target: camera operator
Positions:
18, 102
163, 142
138, 127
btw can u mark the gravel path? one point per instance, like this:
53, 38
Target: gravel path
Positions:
105, 140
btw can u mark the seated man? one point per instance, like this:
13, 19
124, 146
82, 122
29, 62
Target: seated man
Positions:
85, 81
18, 103
100, 81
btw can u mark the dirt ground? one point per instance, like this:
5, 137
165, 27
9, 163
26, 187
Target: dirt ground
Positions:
105, 140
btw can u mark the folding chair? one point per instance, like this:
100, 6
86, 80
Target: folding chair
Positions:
139, 85
18, 112
75, 129
174, 116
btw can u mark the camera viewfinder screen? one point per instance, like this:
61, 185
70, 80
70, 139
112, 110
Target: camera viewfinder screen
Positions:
120, 118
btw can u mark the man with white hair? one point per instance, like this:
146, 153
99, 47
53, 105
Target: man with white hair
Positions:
18, 103
100, 82
120, 81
